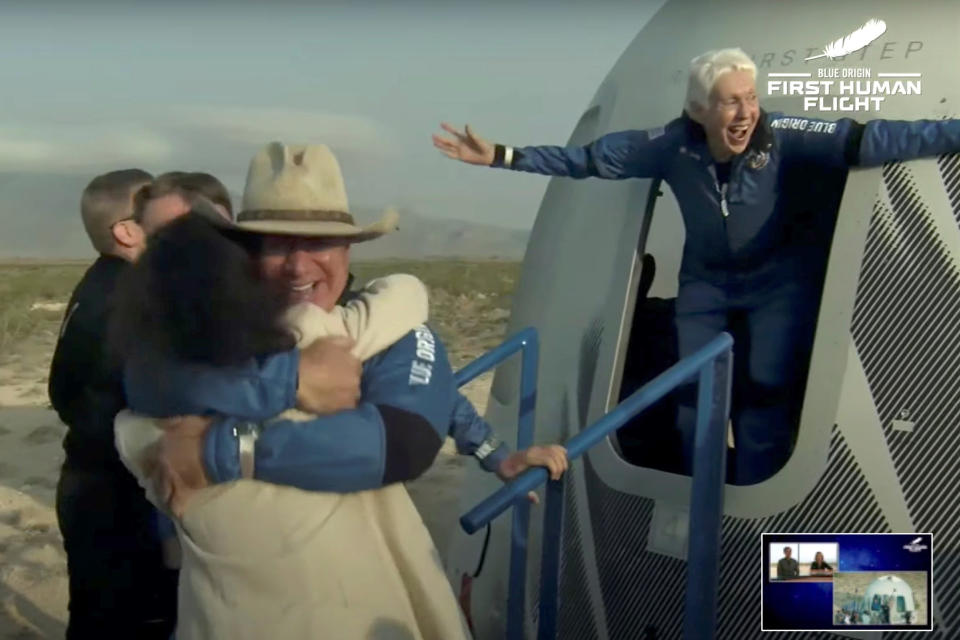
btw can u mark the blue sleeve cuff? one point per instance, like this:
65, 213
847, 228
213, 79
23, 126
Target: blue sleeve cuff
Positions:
221, 452
493, 461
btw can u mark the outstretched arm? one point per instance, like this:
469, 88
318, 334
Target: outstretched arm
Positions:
888, 140
847, 143
615, 156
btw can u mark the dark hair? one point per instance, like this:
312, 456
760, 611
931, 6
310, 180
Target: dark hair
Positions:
196, 295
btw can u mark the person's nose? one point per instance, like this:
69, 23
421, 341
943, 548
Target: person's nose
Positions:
742, 110
297, 263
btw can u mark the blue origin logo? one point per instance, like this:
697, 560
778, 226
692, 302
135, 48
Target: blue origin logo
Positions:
914, 546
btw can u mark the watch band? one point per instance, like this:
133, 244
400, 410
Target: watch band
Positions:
247, 434
499, 152
502, 156
487, 447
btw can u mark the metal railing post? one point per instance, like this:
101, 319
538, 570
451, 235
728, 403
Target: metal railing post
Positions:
706, 500
519, 532
527, 342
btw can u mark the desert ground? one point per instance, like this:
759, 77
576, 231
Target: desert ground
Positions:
851, 586
470, 304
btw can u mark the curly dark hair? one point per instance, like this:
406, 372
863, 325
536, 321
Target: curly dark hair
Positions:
196, 295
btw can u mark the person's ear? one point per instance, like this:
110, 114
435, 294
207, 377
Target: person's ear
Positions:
128, 233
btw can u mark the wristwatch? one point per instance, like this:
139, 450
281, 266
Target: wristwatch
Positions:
487, 447
246, 434
502, 156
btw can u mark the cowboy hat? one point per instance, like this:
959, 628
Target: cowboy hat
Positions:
298, 190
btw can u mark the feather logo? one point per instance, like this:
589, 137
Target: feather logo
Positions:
857, 40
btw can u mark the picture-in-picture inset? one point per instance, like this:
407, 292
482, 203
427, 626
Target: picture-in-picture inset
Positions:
880, 598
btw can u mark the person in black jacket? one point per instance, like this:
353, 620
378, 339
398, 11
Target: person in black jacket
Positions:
118, 586
819, 566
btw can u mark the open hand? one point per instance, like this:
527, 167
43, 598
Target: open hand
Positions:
466, 147
177, 469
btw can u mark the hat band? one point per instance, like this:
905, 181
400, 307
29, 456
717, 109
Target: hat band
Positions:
299, 215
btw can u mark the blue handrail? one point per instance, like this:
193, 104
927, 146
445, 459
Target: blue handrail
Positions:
528, 343
713, 364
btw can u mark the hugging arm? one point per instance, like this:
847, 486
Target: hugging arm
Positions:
393, 435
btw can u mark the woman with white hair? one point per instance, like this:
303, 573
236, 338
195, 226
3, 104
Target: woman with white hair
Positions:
751, 187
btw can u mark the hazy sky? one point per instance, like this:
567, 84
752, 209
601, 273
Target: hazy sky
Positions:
88, 87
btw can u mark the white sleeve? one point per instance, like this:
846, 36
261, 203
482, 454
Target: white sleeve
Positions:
134, 436
386, 310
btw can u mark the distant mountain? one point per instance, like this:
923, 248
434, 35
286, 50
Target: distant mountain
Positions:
40, 218
421, 236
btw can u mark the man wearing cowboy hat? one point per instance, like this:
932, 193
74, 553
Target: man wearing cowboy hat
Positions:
295, 210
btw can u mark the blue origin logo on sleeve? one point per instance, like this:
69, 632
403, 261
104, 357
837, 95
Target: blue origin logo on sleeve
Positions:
421, 368
804, 124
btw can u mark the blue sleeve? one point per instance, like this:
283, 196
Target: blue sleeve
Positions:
824, 142
164, 526
615, 156
259, 390
888, 140
469, 431
392, 436
845, 142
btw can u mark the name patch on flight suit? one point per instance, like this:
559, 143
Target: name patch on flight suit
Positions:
421, 368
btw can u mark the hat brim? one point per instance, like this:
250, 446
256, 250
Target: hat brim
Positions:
316, 228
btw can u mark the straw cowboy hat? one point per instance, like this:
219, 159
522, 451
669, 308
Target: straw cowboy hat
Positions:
298, 190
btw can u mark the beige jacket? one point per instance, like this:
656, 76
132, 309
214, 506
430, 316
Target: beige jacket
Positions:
263, 561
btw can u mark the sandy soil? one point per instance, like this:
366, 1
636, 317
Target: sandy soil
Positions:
33, 578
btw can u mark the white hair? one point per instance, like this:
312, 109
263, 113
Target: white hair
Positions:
706, 68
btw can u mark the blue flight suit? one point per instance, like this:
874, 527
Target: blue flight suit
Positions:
753, 250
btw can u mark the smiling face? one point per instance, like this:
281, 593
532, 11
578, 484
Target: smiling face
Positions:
731, 117
311, 270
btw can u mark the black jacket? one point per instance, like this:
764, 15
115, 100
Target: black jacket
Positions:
86, 387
